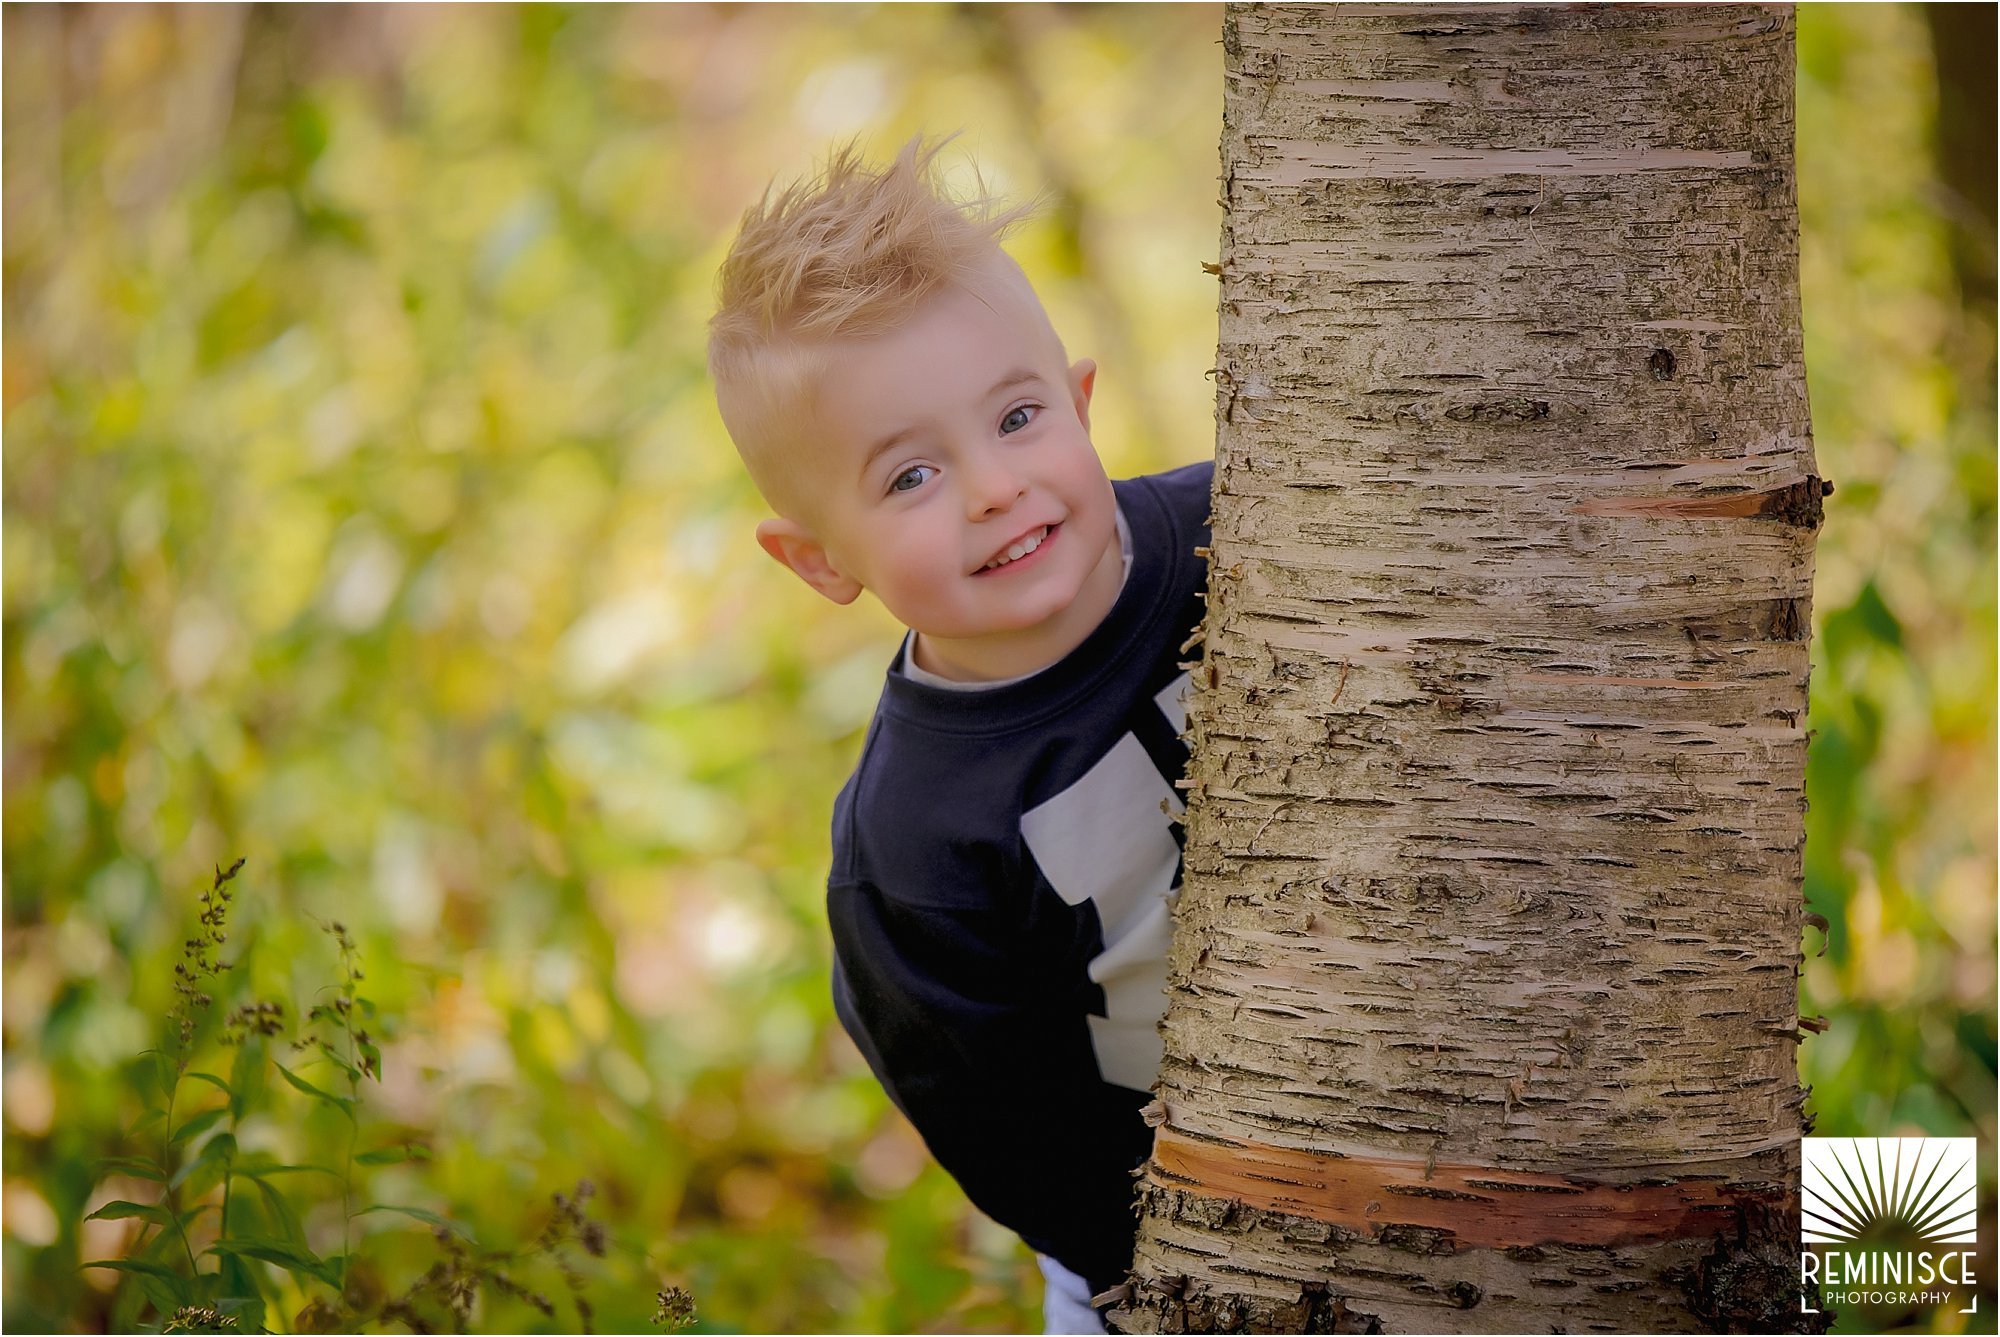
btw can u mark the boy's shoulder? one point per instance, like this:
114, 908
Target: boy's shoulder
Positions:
1184, 491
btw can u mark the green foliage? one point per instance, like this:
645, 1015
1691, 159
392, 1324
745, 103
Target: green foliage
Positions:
1899, 854
1900, 845
264, 1264
366, 513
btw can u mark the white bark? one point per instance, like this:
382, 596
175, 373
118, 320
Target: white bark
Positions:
1483, 998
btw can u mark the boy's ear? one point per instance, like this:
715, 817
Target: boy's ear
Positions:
1082, 378
793, 546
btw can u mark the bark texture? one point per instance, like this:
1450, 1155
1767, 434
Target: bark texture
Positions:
1483, 996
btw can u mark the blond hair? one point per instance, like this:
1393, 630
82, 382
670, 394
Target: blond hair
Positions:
849, 253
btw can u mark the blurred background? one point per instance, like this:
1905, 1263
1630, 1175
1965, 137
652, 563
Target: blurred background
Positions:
367, 516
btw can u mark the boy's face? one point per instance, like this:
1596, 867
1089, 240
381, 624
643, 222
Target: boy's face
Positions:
938, 449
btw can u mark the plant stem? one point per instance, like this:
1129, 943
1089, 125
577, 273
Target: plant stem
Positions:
228, 1181
353, 1120
166, 1159
347, 1203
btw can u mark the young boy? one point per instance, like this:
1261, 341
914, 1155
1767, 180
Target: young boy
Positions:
1005, 854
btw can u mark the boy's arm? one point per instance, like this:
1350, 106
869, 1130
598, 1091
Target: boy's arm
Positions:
968, 1038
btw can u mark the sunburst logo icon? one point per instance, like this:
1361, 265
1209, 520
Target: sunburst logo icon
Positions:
1869, 1190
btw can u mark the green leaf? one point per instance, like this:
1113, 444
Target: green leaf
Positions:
167, 1074
212, 1080
373, 1054
142, 1166
411, 1151
345, 1105
146, 1122
157, 1215
353, 1073
249, 1309
291, 1257
141, 1267
1874, 617
430, 1218
221, 1147
121, 1209
163, 1297
258, 1168
164, 1247
153, 1077
246, 1076
199, 1124
283, 1218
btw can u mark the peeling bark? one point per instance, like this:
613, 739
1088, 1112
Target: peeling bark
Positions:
1482, 1005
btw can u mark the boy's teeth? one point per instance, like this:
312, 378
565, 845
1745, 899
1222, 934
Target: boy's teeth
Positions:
1019, 550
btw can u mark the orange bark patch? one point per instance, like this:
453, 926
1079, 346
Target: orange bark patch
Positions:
1478, 1206
1796, 502
1600, 680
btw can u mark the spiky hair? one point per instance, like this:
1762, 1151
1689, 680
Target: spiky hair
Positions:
851, 252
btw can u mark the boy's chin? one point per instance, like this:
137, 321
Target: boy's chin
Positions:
1004, 632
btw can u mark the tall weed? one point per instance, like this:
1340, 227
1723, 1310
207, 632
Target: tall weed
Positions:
247, 1210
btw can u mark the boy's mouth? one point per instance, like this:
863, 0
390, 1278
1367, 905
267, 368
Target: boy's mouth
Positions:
1020, 550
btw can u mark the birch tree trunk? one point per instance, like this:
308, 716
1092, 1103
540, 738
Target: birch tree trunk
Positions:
1483, 994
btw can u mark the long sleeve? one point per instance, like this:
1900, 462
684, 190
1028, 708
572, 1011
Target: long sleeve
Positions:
967, 1029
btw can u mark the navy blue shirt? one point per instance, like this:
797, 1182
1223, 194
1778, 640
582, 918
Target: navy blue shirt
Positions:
1004, 863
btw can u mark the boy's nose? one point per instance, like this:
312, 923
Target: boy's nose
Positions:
993, 487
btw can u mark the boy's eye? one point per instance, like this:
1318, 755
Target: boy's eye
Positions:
914, 476
1025, 412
